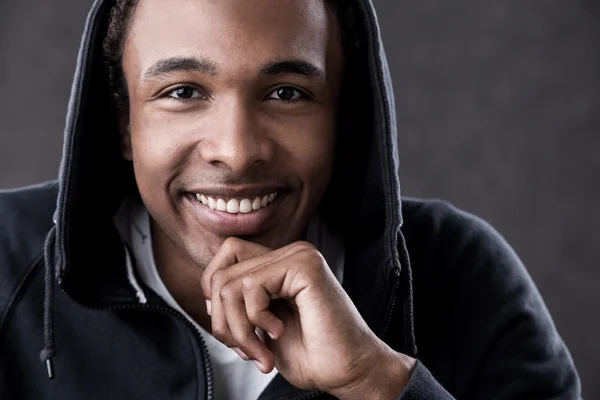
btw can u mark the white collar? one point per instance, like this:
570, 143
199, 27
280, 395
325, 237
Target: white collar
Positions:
133, 223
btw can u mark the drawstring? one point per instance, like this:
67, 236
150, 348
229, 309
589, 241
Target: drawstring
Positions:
409, 320
49, 350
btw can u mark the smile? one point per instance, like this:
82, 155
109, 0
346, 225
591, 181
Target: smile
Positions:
237, 206
238, 212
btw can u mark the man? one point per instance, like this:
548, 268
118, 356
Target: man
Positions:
227, 224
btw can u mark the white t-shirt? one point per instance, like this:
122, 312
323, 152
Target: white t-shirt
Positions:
233, 377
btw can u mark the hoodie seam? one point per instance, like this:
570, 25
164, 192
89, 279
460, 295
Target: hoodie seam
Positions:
17, 295
79, 89
384, 105
393, 222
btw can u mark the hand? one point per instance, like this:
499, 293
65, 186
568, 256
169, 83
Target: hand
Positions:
316, 338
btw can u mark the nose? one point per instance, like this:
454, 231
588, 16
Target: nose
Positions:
236, 141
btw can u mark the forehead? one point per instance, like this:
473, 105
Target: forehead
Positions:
232, 32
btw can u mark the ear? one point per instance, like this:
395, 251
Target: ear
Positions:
125, 136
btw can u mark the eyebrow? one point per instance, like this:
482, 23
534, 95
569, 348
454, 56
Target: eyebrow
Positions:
295, 67
192, 64
180, 64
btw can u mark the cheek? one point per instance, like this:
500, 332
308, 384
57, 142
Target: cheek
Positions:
313, 150
158, 151
149, 163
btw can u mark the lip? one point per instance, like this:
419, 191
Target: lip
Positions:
224, 224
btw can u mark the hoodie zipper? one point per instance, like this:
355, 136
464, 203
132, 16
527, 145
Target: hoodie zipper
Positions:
165, 310
207, 362
392, 306
178, 315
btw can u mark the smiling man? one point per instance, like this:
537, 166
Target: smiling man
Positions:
227, 224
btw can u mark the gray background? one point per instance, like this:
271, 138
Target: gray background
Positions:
499, 112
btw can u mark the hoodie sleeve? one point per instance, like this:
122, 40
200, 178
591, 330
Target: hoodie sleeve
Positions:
482, 329
423, 386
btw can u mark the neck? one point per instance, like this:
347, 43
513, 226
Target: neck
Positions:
181, 276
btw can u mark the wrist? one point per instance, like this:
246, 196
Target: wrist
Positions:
385, 377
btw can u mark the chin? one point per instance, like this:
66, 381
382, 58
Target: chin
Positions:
203, 251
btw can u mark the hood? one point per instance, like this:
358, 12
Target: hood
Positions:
85, 254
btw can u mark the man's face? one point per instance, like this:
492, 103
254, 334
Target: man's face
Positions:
232, 117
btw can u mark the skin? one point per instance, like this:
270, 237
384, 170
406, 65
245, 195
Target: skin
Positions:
230, 129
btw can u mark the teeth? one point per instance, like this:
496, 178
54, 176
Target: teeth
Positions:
212, 203
202, 198
235, 206
245, 206
221, 205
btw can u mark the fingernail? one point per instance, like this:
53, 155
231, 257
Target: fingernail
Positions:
258, 364
208, 306
240, 353
271, 335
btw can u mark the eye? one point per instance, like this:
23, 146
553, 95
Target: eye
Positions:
287, 93
184, 93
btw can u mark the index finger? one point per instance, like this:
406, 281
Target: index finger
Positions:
232, 251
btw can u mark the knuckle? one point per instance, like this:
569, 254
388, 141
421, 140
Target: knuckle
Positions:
220, 332
306, 245
205, 281
315, 263
244, 335
254, 315
218, 279
312, 255
227, 291
231, 243
249, 282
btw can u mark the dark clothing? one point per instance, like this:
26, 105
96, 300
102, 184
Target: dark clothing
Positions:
435, 283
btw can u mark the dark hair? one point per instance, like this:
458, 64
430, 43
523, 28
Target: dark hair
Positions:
120, 20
